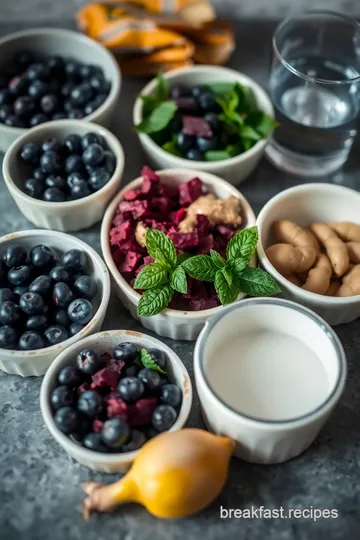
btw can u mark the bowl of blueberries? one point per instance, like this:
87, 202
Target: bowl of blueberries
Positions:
106, 395
54, 290
63, 174
51, 74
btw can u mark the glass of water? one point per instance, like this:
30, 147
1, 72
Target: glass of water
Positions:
314, 87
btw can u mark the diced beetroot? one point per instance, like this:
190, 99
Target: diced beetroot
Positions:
186, 103
117, 256
120, 217
132, 245
178, 216
117, 407
162, 204
130, 262
184, 241
83, 388
147, 172
150, 181
199, 304
225, 232
196, 289
206, 243
97, 425
137, 208
193, 125
139, 413
160, 226
132, 194
190, 191
120, 233
148, 259
202, 225
108, 376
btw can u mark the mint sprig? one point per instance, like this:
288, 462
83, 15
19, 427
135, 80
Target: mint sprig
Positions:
148, 362
158, 119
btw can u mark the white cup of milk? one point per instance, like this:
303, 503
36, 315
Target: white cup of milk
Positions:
268, 373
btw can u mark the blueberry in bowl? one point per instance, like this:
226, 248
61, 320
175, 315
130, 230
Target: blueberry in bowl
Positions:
37, 320
99, 413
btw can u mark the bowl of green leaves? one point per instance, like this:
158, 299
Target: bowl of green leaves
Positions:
210, 118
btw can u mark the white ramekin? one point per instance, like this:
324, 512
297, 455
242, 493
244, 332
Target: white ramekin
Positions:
263, 441
171, 323
105, 342
234, 170
69, 215
36, 362
306, 204
71, 45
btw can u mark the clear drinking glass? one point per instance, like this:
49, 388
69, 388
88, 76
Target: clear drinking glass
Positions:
314, 87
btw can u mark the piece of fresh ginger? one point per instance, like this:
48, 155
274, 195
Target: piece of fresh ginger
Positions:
288, 232
348, 232
350, 282
288, 259
218, 211
318, 280
335, 248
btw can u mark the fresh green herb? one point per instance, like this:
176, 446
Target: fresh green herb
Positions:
151, 276
178, 280
220, 89
200, 267
217, 259
226, 293
162, 89
158, 119
148, 362
171, 147
161, 248
216, 155
154, 300
242, 245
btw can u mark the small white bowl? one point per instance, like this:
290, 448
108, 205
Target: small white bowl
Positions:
171, 323
262, 440
69, 215
26, 363
71, 45
306, 204
105, 342
234, 170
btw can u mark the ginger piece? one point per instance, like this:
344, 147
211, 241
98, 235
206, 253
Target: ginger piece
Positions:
335, 248
353, 251
218, 212
319, 277
348, 232
294, 279
140, 234
288, 232
288, 259
350, 283
333, 288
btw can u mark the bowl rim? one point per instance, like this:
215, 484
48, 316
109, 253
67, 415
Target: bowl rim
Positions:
106, 224
53, 126
298, 291
69, 34
14, 354
300, 420
211, 166
98, 457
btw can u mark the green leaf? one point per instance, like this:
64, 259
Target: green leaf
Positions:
154, 300
236, 118
250, 100
257, 282
151, 276
160, 247
178, 280
226, 293
228, 275
247, 132
220, 89
242, 245
149, 104
200, 267
182, 257
172, 148
248, 143
238, 265
162, 89
261, 122
217, 259
148, 362
158, 119
235, 149
216, 155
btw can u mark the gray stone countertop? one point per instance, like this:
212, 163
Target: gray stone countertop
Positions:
40, 495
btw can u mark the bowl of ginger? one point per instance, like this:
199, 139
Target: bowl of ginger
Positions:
309, 241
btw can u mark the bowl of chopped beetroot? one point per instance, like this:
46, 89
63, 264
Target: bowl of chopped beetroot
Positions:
207, 118
107, 395
199, 212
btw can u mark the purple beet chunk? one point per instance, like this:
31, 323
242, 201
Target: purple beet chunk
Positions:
192, 125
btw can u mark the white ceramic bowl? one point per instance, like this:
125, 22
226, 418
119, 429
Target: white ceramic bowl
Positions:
69, 44
36, 362
234, 170
69, 215
171, 323
306, 204
104, 342
262, 440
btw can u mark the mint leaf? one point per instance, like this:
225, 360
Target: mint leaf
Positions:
247, 132
160, 247
242, 245
261, 122
235, 149
248, 144
151, 276
226, 293
148, 362
162, 89
200, 267
172, 148
220, 89
228, 275
238, 265
178, 280
149, 104
217, 259
158, 119
182, 257
250, 104
216, 155
154, 300
256, 282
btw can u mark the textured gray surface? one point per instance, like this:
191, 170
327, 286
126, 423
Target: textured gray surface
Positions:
40, 493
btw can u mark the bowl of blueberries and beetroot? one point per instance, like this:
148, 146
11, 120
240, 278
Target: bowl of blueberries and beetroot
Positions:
108, 394
54, 290
62, 174
204, 117
52, 74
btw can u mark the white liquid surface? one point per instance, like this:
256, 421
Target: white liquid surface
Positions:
268, 375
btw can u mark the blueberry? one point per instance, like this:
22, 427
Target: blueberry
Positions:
54, 195
36, 322
74, 163
131, 370
184, 141
5, 111
38, 89
81, 94
72, 70
59, 273
76, 114
30, 153
91, 138
90, 403
31, 340
62, 295
197, 90
213, 120
88, 361
170, 394
7, 295
18, 86
93, 441
74, 259
85, 287
80, 189
55, 181
49, 103
207, 101
38, 174
80, 311
14, 255
20, 290
41, 256
38, 119
62, 396
151, 379
58, 116
61, 317
136, 441
109, 162
91, 107
5, 97
205, 144
98, 179
41, 285
97, 83
55, 334
32, 303
14, 121
24, 59
50, 162
194, 155
115, 432
19, 275
69, 376
38, 71
24, 106
67, 419
159, 357
52, 144
8, 337
75, 328
179, 91
130, 389
56, 64
73, 144
127, 352
66, 89
163, 417
93, 155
